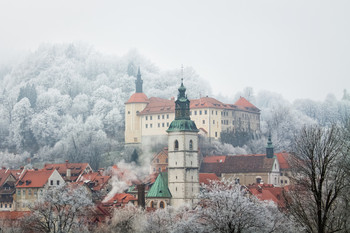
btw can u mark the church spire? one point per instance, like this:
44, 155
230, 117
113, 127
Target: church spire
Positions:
182, 104
138, 82
269, 147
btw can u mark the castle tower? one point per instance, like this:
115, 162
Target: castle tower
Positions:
183, 161
137, 102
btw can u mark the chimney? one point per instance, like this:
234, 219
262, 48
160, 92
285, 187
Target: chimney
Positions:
68, 173
141, 195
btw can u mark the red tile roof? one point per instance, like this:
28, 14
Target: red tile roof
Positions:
243, 102
13, 215
239, 164
4, 174
34, 179
205, 178
283, 158
121, 199
214, 159
98, 181
138, 98
266, 192
158, 105
76, 169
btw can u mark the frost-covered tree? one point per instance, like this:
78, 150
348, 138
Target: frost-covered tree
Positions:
319, 200
65, 208
227, 207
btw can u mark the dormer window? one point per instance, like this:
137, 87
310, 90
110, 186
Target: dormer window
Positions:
176, 145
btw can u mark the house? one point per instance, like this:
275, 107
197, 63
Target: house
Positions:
7, 190
97, 183
159, 162
32, 183
150, 117
69, 171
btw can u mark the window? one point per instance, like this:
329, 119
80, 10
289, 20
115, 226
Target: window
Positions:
190, 113
158, 117
19, 192
203, 122
237, 181
167, 124
10, 206
213, 121
162, 116
150, 117
35, 192
258, 180
29, 192
1, 205
128, 112
216, 112
166, 160
195, 112
158, 125
216, 134
205, 112
161, 205
152, 204
192, 177
175, 188
58, 182
281, 174
281, 181
146, 118
212, 112
176, 145
157, 160
200, 112
191, 145
5, 205
51, 182
146, 126
175, 177
150, 125
191, 162
285, 182
162, 124
167, 116
159, 169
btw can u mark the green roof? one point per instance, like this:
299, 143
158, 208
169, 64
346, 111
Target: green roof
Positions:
160, 187
182, 125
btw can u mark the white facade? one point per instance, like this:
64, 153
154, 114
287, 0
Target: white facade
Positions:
183, 167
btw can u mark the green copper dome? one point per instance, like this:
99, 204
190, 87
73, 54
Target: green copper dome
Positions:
182, 120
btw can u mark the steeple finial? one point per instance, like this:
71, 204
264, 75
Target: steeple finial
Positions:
138, 82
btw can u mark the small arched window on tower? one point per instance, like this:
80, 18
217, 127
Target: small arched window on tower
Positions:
191, 145
161, 205
176, 145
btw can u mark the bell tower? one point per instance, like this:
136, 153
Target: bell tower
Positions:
183, 166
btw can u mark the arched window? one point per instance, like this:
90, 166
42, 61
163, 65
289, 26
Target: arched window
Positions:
161, 205
176, 145
191, 145
258, 179
151, 204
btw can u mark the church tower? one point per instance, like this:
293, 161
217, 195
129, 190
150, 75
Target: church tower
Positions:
183, 161
137, 102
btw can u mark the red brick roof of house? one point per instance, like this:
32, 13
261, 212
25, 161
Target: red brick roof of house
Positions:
99, 181
13, 215
121, 199
267, 192
243, 102
206, 178
138, 98
4, 174
239, 164
159, 105
34, 178
214, 159
76, 169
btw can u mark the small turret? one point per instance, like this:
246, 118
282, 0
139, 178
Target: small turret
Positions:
138, 82
269, 147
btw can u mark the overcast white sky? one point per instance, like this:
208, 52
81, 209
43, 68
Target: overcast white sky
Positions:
300, 49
